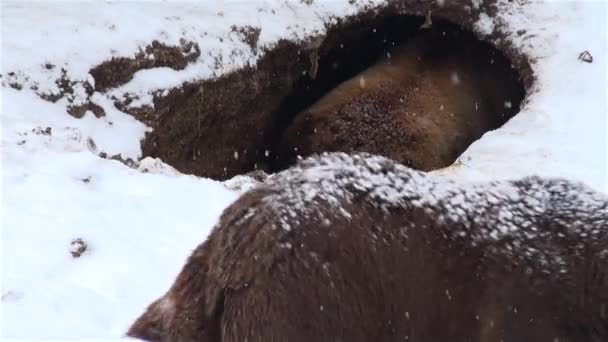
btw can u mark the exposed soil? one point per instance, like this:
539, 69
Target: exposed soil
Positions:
77, 107
120, 70
78, 111
220, 128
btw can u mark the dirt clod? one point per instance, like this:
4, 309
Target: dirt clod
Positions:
42, 131
586, 57
15, 85
78, 111
250, 35
77, 247
91, 144
120, 70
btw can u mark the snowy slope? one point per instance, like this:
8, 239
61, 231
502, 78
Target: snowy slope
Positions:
140, 226
76, 36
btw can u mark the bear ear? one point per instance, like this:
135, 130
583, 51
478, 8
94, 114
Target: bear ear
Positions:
152, 324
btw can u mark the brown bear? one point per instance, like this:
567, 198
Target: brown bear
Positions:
422, 105
360, 248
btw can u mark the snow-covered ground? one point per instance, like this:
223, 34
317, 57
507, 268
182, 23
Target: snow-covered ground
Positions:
140, 226
562, 130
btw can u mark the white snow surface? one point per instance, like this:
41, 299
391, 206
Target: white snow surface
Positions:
562, 129
141, 223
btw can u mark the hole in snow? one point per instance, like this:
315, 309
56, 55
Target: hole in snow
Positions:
375, 83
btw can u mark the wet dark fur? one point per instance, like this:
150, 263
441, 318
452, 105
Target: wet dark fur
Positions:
407, 107
360, 248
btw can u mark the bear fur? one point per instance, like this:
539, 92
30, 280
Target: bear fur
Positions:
422, 106
360, 248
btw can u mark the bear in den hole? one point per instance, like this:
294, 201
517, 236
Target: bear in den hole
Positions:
422, 104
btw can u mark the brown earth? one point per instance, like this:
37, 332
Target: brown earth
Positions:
116, 72
219, 128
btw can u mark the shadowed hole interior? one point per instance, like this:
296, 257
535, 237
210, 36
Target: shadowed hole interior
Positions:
252, 118
350, 52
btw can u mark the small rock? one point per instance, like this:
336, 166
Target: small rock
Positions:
39, 130
586, 57
78, 247
78, 111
